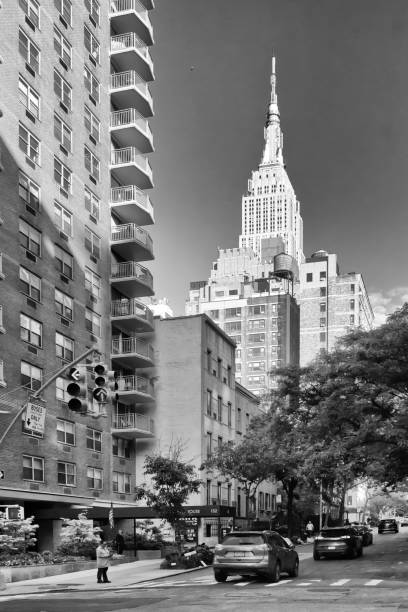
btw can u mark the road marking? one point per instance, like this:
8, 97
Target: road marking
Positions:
372, 582
242, 584
340, 582
274, 584
304, 584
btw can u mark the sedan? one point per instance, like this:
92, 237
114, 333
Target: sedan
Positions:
255, 553
338, 542
387, 526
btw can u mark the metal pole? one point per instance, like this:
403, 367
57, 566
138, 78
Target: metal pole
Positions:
321, 505
44, 386
134, 537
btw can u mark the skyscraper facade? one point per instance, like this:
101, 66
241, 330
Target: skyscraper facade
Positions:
74, 175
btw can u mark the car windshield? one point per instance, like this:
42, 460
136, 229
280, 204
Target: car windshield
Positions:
242, 540
334, 533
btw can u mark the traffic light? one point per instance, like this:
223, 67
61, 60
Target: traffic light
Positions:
78, 390
105, 384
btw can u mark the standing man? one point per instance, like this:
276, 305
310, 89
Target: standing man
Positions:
310, 529
102, 562
120, 542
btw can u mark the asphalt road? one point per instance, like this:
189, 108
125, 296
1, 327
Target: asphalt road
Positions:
378, 581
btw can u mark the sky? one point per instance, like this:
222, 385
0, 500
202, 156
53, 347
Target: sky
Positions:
342, 82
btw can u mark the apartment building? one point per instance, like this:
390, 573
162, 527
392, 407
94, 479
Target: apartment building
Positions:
74, 182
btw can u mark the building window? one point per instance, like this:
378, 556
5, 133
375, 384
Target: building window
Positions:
259, 309
2, 381
209, 402
309, 277
92, 242
66, 432
92, 203
92, 282
352, 304
93, 322
64, 262
30, 238
219, 368
214, 314
121, 447
62, 219
29, 97
30, 284
66, 473
232, 312
257, 324
92, 124
208, 492
28, 191
209, 360
323, 291
94, 10
229, 376
29, 51
30, 331
29, 144
239, 420
352, 319
91, 163
209, 444
322, 336
64, 347
63, 91
91, 44
32, 10
94, 478
256, 366
323, 322
31, 376
322, 306
94, 439
33, 468
322, 275
62, 176
352, 287
219, 409
91, 84
256, 338
63, 48
64, 7
64, 304
63, 133
229, 414
219, 442
232, 326
61, 392
121, 482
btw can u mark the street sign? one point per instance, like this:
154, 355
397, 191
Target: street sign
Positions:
2, 474
35, 417
75, 374
100, 394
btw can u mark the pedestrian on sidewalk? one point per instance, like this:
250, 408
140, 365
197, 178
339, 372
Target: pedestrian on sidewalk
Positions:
102, 562
310, 529
120, 542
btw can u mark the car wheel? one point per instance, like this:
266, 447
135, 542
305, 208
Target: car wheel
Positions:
360, 552
275, 574
294, 572
316, 556
220, 575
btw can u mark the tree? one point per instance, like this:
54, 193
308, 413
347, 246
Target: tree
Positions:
16, 535
172, 482
79, 537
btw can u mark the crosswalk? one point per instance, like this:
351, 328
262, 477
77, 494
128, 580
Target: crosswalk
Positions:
238, 583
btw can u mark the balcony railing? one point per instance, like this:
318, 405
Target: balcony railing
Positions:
131, 231
130, 155
130, 40
133, 420
130, 193
130, 78
129, 116
131, 269
128, 308
132, 345
122, 6
138, 384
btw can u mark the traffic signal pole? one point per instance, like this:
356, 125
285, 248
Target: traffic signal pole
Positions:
37, 393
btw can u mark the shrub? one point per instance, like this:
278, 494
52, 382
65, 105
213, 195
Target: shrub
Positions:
16, 535
79, 537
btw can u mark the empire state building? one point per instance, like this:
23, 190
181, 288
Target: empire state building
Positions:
270, 208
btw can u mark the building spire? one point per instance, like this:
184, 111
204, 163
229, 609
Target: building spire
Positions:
273, 135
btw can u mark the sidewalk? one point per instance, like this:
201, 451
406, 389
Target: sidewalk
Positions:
122, 576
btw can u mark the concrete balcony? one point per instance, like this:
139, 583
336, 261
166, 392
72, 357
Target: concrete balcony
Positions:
127, 51
131, 425
131, 15
132, 388
129, 90
131, 242
131, 353
132, 205
129, 166
131, 316
131, 279
128, 128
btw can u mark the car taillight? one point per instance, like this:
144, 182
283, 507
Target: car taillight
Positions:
319, 538
262, 549
346, 537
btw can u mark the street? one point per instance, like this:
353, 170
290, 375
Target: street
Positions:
376, 581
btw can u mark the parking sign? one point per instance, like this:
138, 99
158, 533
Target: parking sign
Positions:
35, 417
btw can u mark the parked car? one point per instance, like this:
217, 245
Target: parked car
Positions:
365, 532
403, 521
255, 553
388, 525
338, 541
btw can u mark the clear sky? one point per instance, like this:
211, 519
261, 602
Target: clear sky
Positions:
342, 70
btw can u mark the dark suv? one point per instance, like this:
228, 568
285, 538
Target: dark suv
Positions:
338, 542
388, 525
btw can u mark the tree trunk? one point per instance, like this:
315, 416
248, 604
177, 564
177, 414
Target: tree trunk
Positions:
290, 491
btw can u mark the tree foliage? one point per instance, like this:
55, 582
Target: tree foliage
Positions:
17, 535
79, 537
